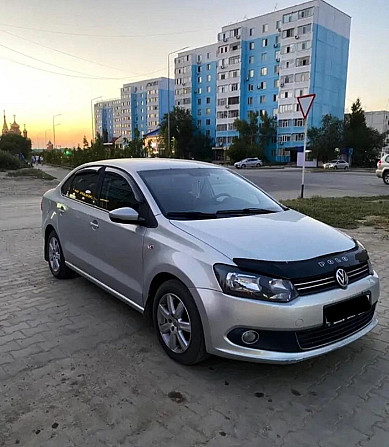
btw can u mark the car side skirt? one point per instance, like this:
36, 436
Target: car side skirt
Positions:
106, 288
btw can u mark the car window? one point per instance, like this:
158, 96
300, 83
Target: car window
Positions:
84, 186
65, 188
116, 192
204, 190
387, 159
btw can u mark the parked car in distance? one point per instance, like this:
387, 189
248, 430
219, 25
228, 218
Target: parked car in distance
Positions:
249, 163
214, 262
336, 164
382, 170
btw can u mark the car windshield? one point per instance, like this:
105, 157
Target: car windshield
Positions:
206, 193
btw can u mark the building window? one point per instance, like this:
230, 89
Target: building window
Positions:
264, 43
208, 100
262, 99
263, 71
275, 98
207, 111
199, 90
304, 13
199, 101
221, 102
276, 83
208, 78
198, 123
251, 73
298, 122
265, 28
208, 67
283, 123
198, 112
234, 87
304, 29
301, 77
249, 100
263, 57
276, 69
251, 45
208, 133
250, 87
208, 55
233, 100
262, 85
251, 59
207, 122
199, 80
208, 89
278, 25
251, 31
302, 61
288, 33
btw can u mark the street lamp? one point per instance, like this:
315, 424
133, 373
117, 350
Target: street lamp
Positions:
168, 96
55, 116
92, 114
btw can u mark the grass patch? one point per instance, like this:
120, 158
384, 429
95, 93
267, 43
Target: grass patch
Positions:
345, 212
31, 172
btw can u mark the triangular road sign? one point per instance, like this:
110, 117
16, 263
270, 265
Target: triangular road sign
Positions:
305, 103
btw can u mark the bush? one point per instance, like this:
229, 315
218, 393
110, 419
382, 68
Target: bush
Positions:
8, 161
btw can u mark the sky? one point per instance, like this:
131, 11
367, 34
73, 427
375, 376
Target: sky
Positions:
56, 55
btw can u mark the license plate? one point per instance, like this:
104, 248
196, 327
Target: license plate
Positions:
339, 312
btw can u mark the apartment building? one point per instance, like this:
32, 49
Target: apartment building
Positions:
263, 64
379, 120
141, 105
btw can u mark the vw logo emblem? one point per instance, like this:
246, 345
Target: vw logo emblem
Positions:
341, 278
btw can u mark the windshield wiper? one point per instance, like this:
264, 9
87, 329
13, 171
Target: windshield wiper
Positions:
245, 211
190, 215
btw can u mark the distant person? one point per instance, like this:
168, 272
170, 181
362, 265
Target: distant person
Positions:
32, 161
39, 159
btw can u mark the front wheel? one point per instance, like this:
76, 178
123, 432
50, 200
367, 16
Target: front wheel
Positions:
178, 324
385, 177
56, 258
345, 168
244, 166
258, 165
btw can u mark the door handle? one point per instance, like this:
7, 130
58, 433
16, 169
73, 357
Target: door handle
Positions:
94, 224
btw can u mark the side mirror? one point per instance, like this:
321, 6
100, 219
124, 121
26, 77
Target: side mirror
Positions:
125, 215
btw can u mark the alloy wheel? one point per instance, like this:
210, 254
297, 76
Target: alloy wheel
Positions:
54, 254
174, 323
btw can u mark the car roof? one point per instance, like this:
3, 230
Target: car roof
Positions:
148, 164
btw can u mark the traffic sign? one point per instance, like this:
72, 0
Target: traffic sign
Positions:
305, 103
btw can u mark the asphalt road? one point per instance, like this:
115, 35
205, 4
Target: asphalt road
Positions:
286, 183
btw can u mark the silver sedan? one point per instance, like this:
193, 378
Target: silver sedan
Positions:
216, 264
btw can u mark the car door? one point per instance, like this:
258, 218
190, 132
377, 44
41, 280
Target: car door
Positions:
116, 250
78, 198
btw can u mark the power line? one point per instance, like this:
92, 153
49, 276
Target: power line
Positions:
48, 63
79, 77
59, 51
106, 35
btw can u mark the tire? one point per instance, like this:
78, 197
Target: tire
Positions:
243, 166
56, 258
345, 168
335, 167
178, 324
258, 165
385, 177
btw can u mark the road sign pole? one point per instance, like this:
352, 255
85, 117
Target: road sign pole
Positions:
304, 152
305, 104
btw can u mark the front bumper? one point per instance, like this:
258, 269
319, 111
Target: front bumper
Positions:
223, 313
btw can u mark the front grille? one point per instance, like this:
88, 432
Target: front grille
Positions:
328, 282
325, 335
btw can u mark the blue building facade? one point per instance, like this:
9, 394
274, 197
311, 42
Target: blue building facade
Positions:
263, 64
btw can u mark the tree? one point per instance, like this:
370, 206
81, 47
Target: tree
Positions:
85, 143
200, 147
365, 141
15, 144
254, 136
134, 148
182, 130
325, 139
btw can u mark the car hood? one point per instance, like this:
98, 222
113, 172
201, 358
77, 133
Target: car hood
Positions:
283, 236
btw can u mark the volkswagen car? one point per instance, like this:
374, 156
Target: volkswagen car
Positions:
213, 261
336, 164
248, 163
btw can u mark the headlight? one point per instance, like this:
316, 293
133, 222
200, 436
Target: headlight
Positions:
235, 282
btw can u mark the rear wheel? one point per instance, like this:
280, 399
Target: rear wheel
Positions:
385, 177
56, 258
258, 165
178, 324
345, 168
243, 166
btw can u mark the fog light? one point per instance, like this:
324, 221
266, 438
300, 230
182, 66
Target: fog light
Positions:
250, 337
